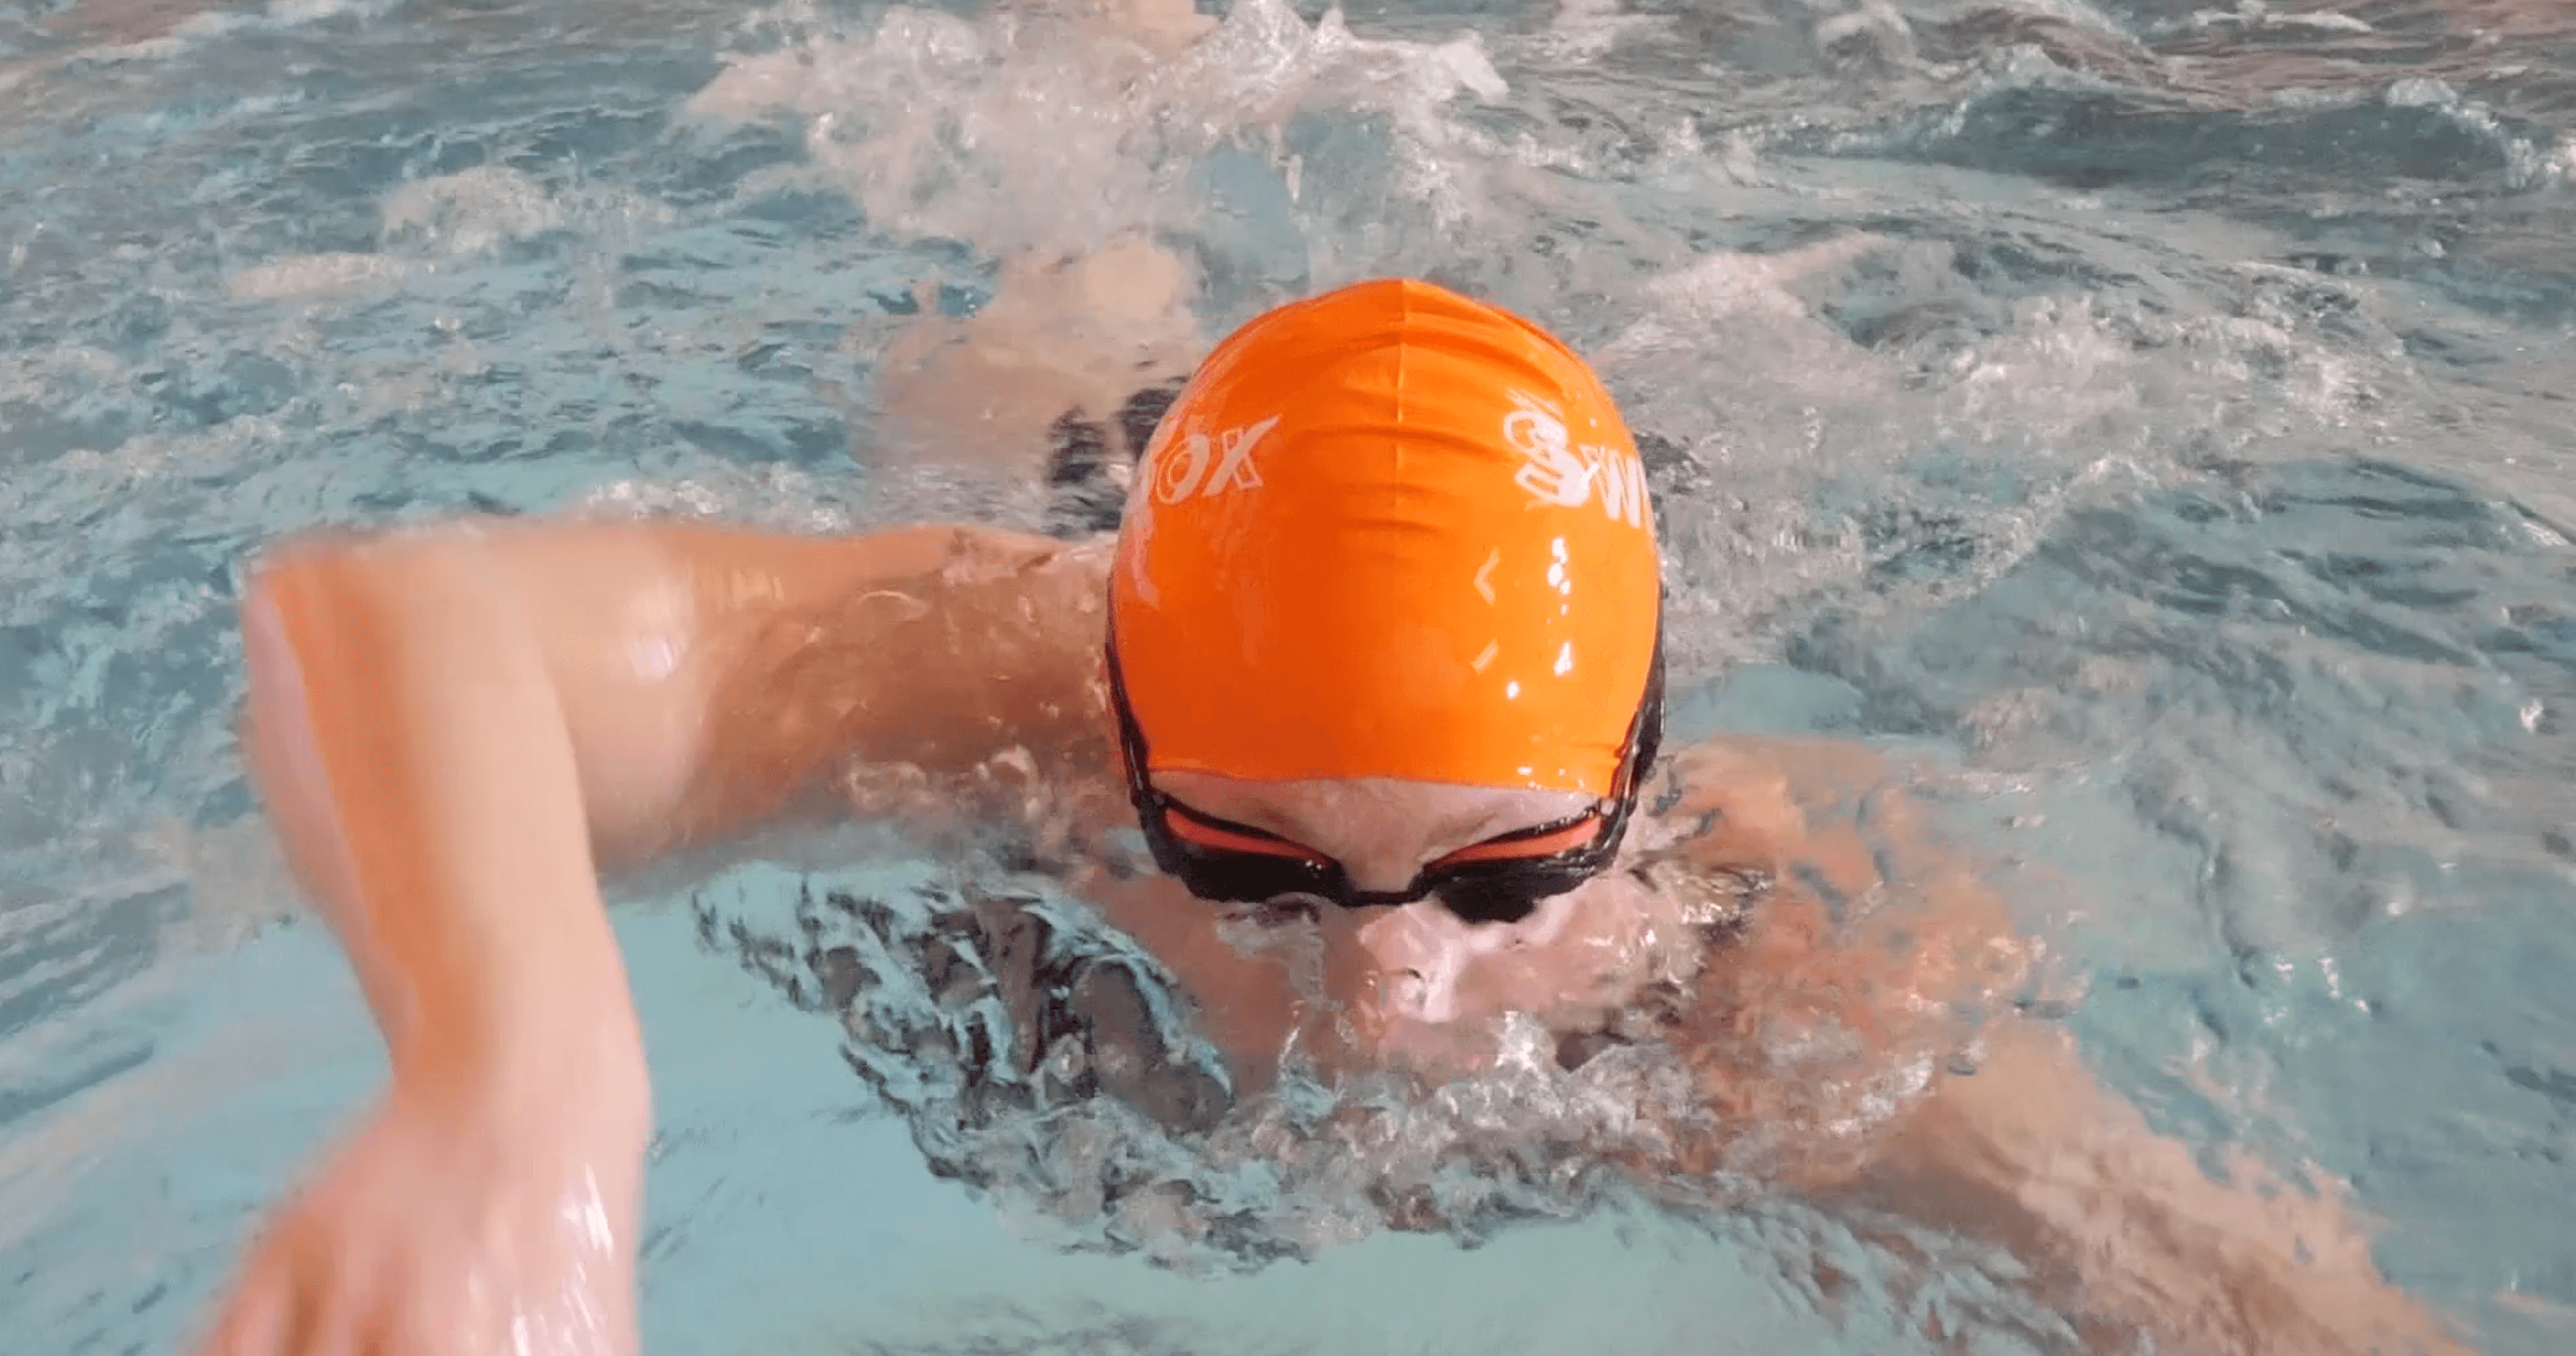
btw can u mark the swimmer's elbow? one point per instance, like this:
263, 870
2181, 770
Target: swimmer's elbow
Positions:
336, 609
283, 756
365, 652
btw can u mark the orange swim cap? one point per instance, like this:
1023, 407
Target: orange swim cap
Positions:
1389, 532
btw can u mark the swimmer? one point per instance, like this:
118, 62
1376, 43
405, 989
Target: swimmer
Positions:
1376, 650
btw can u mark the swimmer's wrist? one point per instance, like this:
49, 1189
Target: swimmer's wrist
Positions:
592, 1092
567, 1045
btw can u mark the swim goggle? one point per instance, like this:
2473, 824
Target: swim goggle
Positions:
1499, 880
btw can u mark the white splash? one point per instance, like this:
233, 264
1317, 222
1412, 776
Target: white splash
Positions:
470, 212
948, 127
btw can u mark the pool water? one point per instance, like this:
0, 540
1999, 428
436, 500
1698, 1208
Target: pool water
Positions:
2151, 419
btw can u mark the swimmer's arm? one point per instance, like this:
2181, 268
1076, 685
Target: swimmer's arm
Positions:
2034, 1151
454, 728
2030, 1152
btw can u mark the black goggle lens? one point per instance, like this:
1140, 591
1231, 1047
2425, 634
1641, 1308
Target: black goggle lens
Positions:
1489, 888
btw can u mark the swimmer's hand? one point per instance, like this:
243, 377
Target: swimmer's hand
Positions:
469, 1216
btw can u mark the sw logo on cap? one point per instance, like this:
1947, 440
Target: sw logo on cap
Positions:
1558, 473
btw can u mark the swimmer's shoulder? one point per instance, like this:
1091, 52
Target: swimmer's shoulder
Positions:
1818, 814
1761, 800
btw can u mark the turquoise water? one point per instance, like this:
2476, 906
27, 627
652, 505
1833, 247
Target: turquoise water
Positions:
2151, 416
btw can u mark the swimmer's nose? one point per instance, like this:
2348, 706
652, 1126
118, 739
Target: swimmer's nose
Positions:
1382, 872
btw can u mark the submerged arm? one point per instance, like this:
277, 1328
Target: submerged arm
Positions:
2033, 1153
2029, 1152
